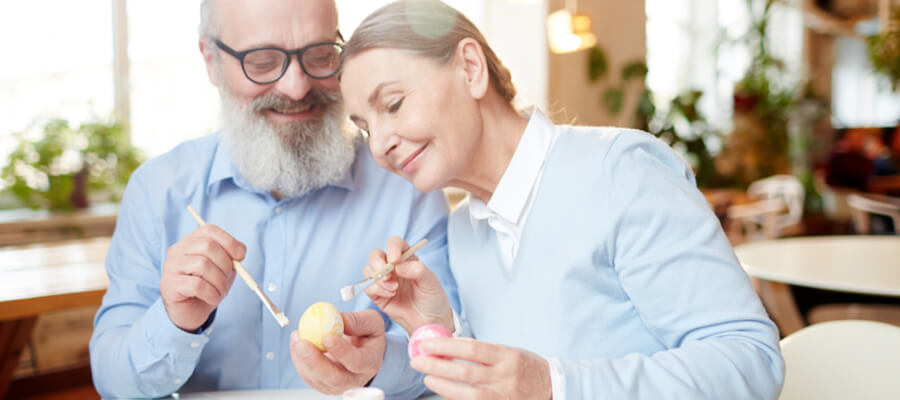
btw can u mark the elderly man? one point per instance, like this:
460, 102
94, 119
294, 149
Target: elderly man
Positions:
288, 191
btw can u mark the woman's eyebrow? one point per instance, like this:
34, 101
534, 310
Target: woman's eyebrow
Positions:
377, 92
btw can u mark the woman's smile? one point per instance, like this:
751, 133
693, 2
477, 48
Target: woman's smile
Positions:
408, 166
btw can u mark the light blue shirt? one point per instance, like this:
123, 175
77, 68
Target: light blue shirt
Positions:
623, 278
300, 251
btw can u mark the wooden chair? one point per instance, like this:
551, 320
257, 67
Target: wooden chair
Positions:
780, 207
846, 359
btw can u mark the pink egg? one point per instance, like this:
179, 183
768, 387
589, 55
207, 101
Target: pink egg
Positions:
425, 332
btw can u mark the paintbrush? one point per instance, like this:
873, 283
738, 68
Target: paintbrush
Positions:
349, 292
279, 316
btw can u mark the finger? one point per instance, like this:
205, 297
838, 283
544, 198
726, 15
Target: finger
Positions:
363, 323
205, 269
316, 369
412, 270
376, 261
377, 292
189, 286
464, 348
395, 248
451, 390
205, 246
357, 360
235, 249
468, 373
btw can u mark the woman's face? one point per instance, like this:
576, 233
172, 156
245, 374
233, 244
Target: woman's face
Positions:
420, 116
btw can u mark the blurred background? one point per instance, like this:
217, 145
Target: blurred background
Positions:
787, 110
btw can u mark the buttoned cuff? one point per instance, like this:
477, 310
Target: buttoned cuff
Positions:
167, 343
396, 377
557, 379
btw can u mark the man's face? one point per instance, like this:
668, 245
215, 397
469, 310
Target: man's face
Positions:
287, 24
287, 136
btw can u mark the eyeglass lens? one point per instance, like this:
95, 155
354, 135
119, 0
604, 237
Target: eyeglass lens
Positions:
267, 65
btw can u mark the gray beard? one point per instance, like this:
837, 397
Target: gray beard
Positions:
289, 159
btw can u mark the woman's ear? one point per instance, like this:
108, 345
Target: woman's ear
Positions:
473, 67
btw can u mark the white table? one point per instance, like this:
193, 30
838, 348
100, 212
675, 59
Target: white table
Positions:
858, 264
275, 394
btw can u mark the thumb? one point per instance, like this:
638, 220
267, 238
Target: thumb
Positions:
363, 323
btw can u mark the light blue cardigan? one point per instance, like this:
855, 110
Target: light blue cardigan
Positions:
625, 275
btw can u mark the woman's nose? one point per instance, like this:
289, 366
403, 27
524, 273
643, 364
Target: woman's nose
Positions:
383, 141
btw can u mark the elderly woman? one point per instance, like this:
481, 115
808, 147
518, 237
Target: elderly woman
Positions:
588, 264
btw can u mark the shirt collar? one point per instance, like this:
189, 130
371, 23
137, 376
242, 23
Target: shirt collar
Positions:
519, 179
223, 169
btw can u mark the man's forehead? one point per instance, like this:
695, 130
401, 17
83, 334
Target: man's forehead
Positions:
277, 22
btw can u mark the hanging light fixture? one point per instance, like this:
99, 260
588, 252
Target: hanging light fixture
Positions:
568, 31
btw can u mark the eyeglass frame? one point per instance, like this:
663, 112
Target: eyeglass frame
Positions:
240, 55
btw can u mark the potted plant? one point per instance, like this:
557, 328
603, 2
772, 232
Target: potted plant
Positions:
58, 167
884, 51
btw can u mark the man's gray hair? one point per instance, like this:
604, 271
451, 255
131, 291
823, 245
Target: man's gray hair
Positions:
209, 21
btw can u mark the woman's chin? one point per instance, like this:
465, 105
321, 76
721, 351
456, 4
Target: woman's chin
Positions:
424, 185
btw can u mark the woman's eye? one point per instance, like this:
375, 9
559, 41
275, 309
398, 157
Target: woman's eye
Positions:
396, 106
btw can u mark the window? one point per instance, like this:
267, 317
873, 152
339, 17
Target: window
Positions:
696, 44
56, 64
60, 62
860, 98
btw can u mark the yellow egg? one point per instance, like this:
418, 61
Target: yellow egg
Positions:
320, 320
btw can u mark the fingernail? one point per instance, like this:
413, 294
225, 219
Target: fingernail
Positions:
415, 363
294, 337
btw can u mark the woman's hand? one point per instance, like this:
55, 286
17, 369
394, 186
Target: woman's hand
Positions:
495, 371
411, 295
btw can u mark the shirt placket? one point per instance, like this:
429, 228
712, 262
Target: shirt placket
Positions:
270, 284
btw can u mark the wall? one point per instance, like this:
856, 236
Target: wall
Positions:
620, 27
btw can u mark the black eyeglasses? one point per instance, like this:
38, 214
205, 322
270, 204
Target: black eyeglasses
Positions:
265, 65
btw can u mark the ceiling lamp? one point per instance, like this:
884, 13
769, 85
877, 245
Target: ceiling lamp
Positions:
568, 31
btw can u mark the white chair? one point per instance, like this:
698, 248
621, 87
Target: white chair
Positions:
863, 205
846, 359
780, 207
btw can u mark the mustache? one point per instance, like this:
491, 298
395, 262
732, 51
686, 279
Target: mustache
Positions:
314, 97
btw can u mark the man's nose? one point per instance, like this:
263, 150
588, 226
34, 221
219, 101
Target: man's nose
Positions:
295, 84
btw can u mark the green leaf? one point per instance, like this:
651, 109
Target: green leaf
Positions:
635, 69
614, 99
597, 65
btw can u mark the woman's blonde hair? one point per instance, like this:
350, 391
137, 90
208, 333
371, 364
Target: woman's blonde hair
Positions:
428, 28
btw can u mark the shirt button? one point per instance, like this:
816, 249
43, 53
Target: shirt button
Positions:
270, 356
195, 345
271, 287
278, 210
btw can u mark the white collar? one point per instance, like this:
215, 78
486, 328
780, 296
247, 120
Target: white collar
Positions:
518, 181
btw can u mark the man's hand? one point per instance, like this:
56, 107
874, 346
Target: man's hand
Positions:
411, 295
492, 372
350, 360
197, 275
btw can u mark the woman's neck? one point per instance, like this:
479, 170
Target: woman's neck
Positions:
502, 128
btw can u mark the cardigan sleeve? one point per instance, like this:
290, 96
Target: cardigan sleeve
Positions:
687, 287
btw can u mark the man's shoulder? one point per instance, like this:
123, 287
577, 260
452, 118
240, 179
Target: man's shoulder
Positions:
188, 161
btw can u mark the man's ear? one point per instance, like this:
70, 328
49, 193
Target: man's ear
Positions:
473, 67
208, 51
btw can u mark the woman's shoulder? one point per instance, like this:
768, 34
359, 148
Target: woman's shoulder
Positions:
612, 145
